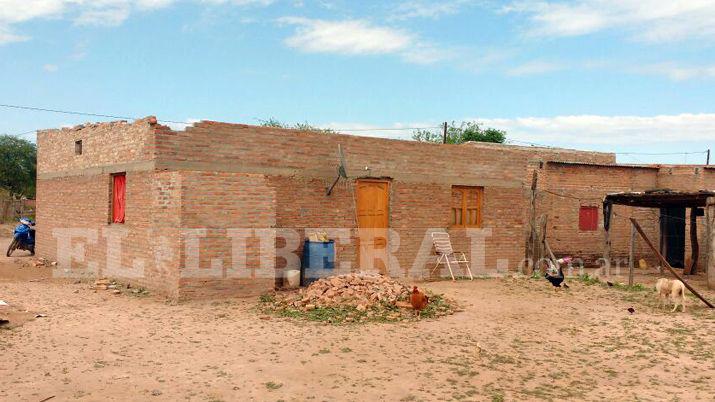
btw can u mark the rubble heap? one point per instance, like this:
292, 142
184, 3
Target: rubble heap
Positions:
353, 298
35, 262
360, 290
117, 288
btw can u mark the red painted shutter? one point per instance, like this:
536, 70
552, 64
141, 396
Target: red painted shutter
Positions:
118, 198
588, 218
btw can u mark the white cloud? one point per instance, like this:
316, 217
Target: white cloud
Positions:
534, 67
154, 4
579, 131
670, 70
7, 36
15, 11
677, 72
80, 50
428, 9
359, 37
105, 17
646, 20
395, 130
608, 130
50, 68
83, 12
425, 53
181, 126
259, 3
345, 37
86, 12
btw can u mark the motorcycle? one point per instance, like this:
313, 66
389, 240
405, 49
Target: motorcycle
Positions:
23, 237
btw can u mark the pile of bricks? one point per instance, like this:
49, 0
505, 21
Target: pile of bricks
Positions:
360, 290
117, 288
105, 284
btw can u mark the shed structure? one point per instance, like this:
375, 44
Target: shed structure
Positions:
672, 206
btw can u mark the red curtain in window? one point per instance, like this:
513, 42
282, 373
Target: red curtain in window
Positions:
118, 198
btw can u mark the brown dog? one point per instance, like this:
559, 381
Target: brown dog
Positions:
673, 290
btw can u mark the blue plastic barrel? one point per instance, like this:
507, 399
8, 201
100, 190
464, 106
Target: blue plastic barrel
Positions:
318, 261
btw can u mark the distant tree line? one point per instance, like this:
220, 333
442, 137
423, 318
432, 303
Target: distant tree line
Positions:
18, 165
461, 133
456, 133
305, 126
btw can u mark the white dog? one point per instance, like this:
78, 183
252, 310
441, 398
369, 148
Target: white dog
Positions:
674, 290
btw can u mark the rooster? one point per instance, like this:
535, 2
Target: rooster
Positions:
557, 280
418, 300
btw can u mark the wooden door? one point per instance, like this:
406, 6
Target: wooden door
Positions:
373, 204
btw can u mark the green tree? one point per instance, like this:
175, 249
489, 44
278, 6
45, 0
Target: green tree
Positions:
458, 134
305, 126
424, 135
18, 165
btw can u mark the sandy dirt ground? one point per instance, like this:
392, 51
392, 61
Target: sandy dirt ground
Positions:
517, 339
6, 229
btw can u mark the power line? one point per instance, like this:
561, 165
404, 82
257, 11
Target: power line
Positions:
22, 134
618, 153
109, 116
382, 129
661, 153
571, 196
533, 144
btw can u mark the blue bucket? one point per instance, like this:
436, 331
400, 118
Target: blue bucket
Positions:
318, 261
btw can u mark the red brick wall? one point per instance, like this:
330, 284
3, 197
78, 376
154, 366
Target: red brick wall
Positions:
215, 202
300, 165
576, 185
151, 222
103, 145
73, 191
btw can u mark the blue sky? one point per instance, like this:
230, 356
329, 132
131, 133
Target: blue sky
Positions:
617, 75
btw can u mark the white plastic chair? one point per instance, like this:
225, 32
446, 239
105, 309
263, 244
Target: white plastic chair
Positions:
446, 255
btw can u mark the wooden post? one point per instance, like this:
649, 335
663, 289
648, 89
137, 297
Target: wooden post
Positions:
532, 239
551, 254
663, 236
631, 256
444, 132
665, 263
541, 236
607, 216
694, 246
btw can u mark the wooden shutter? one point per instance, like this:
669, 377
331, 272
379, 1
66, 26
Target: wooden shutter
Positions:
457, 208
588, 218
466, 208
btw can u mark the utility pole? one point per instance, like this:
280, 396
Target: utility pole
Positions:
707, 161
444, 136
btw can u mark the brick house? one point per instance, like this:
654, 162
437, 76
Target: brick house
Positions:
166, 209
